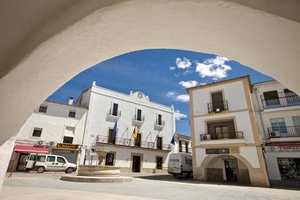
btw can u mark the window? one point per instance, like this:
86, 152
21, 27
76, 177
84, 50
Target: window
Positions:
60, 160
72, 113
111, 138
186, 147
180, 146
271, 98
139, 115
51, 159
43, 109
68, 140
289, 168
217, 102
109, 159
159, 162
159, 143
291, 97
115, 109
41, 158
159, 119
37, 132
137, 141
278, 124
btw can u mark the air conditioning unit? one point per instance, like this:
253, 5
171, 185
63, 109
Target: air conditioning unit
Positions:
127, 142
52, 143
275, 134
40, 143
205, 137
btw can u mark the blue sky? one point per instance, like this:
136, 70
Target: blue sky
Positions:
161, 74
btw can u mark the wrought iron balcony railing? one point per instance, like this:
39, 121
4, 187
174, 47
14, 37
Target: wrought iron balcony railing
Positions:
284, 131
283, 100
216, 136
218, 106
132, 143
117, 113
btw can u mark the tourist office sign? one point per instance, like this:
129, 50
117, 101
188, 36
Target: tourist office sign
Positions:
283, 148
222, 151
66, 146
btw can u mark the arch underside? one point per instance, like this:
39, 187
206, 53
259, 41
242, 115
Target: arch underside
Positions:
84, 34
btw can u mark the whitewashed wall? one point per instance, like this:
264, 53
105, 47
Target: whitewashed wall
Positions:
54, 123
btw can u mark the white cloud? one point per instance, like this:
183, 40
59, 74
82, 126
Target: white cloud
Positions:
188, 84
202, 83
171, 94
178, 97
179, 115
213, 67
172, 68
183, 98
183, 63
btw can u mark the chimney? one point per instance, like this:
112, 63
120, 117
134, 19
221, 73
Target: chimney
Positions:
71, 99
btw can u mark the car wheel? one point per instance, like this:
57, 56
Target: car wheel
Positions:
69, 170
40, 169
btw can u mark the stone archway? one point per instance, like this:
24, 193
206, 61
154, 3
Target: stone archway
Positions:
246, 172
79, 34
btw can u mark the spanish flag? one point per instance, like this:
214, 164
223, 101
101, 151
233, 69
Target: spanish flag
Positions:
134, 133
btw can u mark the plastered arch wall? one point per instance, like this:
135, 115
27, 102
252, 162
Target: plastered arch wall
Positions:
83, 33
256, 175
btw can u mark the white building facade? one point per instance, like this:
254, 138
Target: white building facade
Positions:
278, 119
111, 121
225, 140
52, 128
182, 143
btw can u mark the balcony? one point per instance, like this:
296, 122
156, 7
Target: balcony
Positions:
283, 100
159, 124
217, 107
227, 136
113, 115
138, 120
131, 143
284, 132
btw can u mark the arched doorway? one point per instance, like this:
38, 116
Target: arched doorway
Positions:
227, 169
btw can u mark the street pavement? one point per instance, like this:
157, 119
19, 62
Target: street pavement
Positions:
47, 186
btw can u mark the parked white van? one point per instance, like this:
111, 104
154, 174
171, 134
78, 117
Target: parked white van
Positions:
45, 162
180, 164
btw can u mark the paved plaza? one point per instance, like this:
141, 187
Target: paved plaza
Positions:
31, 186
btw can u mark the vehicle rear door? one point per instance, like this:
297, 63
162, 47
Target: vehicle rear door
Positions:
51, 163
30, 161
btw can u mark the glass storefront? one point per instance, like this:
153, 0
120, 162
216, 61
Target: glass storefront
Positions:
289, 168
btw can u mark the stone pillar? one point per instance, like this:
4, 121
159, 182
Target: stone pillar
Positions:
5, 154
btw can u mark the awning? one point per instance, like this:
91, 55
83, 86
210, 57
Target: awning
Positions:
30, 149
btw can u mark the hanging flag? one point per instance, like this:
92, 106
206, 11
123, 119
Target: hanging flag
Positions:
114, 133
134, 133
173, 140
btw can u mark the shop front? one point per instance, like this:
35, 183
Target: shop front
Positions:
283, 161
69, 151
20, 154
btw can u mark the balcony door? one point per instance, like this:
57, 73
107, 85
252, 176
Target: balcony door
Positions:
159, 143
137, 141
278, 124
139, 115
296, 121
115, 109
221, 129
271, 99
111, 138
217, 101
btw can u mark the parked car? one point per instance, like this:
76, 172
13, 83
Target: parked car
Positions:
180, 164
45, 162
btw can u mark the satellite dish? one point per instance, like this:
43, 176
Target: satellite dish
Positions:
51, 143
40, 142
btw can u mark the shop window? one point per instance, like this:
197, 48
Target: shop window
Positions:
289, 168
